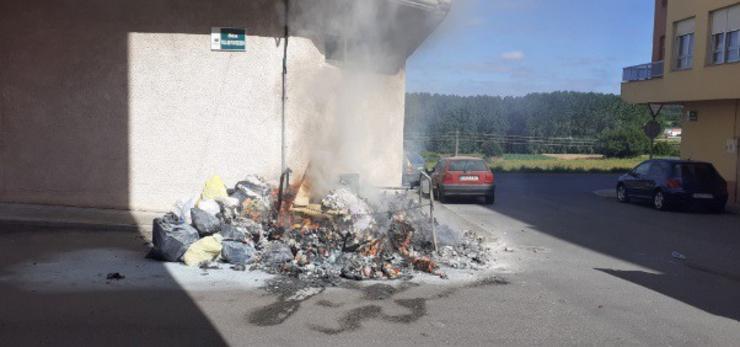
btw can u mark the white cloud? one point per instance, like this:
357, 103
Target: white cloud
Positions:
513, 56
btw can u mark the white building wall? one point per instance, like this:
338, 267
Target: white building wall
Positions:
123, 105
196, 113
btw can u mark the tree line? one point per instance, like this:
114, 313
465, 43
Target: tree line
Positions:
557, 122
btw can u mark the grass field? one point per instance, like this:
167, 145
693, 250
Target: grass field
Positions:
539, 163
554, 165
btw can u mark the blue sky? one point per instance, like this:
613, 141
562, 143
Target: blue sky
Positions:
516, 47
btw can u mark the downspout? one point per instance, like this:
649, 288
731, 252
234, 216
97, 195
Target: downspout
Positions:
736, 137
286, 34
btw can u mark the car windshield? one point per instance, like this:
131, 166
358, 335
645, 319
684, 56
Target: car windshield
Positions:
415, 159
467, 165
697, 171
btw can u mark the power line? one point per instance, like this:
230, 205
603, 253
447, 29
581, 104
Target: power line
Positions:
500, 136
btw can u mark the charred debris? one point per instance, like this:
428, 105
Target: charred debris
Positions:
282, 230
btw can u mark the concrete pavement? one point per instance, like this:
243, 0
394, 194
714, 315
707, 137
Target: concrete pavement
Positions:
613, 262
583, 269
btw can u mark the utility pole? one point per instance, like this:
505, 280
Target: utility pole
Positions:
457, 142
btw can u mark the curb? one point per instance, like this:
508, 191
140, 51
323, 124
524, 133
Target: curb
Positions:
606, 193
61, 224
55, 216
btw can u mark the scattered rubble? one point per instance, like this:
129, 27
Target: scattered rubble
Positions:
206, 249
171, 238
238, 252
341, 236
206, 223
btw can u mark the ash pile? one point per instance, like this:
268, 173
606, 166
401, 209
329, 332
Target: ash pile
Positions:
280, 230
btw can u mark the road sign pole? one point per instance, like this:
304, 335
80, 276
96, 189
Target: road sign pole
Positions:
652, 128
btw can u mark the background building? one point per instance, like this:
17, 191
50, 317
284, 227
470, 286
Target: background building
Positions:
696, 63
123, 103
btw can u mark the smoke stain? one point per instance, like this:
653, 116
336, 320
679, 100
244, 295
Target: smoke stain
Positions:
288, 302
379, 292
327, 303
489, 281
445, 293
275, 313
417, 308
352, 320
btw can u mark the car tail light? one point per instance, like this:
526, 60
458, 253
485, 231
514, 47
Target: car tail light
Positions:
673, 183
488, 177
448, 178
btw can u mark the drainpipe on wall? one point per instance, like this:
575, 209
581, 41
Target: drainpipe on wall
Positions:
737, 152
283, 148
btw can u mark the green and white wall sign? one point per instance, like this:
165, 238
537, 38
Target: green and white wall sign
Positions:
228, 39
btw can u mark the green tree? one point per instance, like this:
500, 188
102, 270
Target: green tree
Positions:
623, 143
491, 149
433, 119
663, 148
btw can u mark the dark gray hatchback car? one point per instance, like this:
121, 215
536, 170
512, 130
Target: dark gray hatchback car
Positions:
668, 183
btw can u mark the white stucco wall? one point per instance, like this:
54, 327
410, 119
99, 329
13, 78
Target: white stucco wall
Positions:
194, 113
124, 105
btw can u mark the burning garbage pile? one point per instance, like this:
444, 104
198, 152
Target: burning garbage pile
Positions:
281, 230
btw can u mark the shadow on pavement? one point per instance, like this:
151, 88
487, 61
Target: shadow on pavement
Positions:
711, 296
565, 207
45, 303
84, 161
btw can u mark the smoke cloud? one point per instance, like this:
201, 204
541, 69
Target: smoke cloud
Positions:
366, 44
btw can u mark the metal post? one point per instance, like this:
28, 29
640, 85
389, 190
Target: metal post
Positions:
283, 165
421, 193
431, 206
284, 185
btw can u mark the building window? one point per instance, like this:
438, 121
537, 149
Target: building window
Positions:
685, 51
726, 35
718, 48
684, 44
733, 46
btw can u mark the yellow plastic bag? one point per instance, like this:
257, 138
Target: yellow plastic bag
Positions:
214, 188
205, 249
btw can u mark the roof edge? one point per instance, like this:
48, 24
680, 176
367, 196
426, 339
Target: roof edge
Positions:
431, 5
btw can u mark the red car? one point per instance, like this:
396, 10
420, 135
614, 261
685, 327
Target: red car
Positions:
463, 176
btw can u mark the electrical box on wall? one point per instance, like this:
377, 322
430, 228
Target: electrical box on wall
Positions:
692, 116
731, 145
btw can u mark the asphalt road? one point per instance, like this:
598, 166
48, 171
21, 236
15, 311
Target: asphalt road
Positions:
582, 269
597, 271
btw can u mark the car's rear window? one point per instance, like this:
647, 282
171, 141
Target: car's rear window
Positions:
698, 171
467, 165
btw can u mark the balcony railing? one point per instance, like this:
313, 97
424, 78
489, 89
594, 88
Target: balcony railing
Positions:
643, 72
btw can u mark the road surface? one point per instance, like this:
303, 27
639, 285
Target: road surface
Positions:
571, 267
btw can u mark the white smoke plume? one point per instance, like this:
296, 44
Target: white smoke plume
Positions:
366, 43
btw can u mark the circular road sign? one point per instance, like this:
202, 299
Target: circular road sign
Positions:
652, 129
